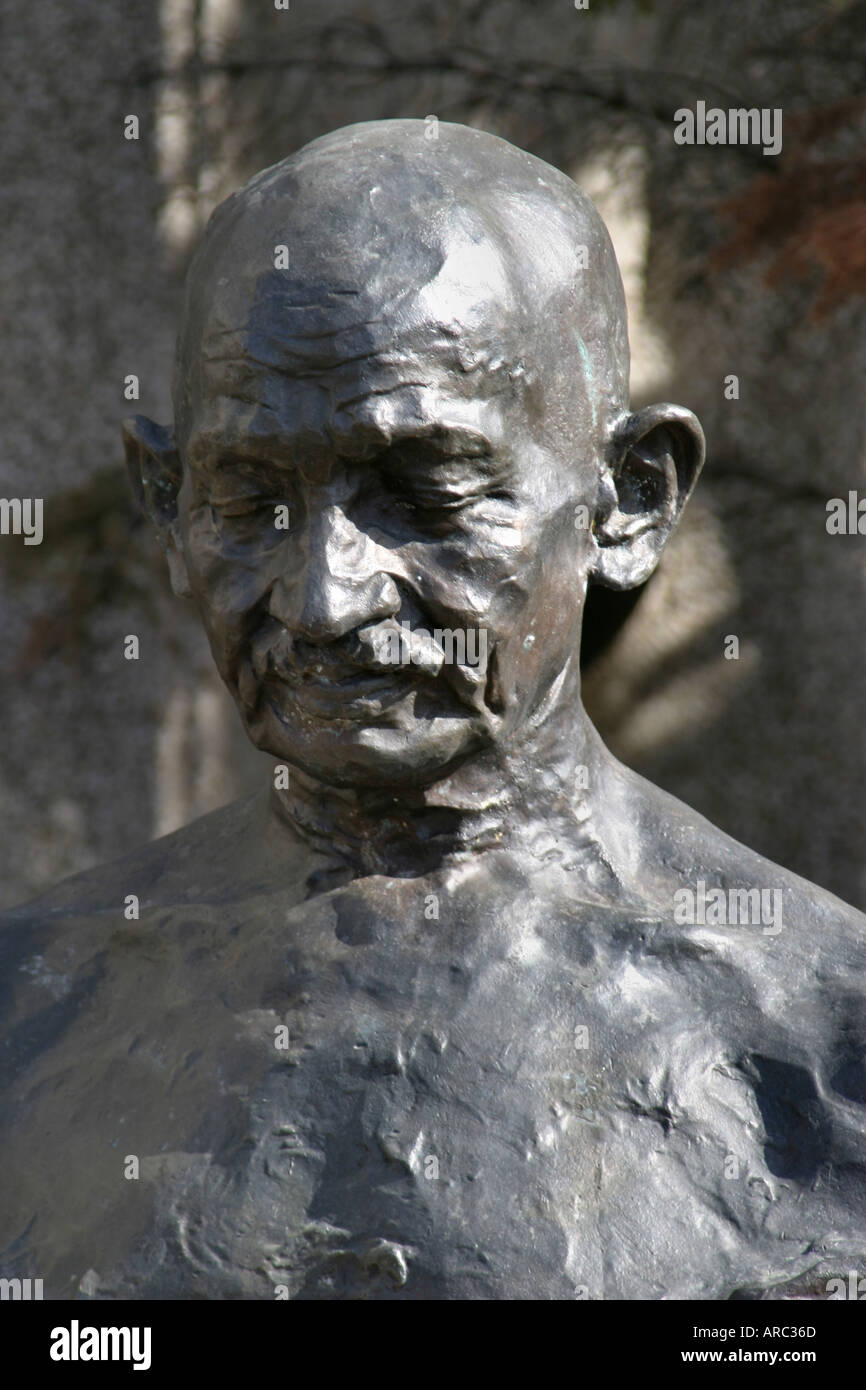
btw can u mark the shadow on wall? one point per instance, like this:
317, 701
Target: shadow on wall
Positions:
764, 331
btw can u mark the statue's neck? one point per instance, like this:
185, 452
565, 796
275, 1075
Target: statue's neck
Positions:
540, 794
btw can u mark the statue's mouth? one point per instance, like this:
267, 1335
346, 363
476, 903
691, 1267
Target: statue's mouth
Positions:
360, 677
352, 694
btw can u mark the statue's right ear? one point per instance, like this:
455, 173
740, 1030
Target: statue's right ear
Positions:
155, 472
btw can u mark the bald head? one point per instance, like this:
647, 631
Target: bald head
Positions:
401, 405
462, 244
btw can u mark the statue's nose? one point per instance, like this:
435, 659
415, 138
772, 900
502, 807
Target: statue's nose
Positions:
341, 585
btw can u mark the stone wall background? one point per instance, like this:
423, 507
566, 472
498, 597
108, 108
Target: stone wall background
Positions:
734, 263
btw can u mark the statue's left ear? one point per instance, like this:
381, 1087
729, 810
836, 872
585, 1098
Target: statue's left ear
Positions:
653, 462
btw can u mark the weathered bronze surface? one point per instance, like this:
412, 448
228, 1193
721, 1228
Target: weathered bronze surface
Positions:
459, 1007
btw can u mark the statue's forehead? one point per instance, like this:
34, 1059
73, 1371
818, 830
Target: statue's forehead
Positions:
329, 303
409, 343
410, 338
388, 282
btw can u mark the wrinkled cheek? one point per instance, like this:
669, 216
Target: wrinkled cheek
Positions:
489, 585
230, 593
549, 632
531, 601
486, 589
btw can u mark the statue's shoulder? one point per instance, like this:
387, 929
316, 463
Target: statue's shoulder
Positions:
116, 932
205, 870
211, 859
709, 881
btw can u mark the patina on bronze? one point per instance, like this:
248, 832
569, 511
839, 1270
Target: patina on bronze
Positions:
434, 1020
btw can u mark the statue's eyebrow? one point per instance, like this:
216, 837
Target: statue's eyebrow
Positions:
361, 441
215, 451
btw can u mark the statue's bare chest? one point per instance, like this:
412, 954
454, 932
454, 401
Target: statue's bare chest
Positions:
354, 1105
449, 1123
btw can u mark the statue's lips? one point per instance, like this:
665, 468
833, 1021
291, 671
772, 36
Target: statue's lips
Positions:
355, 694
355, 679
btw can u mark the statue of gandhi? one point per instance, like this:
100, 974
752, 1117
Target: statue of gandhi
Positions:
458, 1007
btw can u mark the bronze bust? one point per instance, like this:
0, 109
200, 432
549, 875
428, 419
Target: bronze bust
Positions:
459, 1007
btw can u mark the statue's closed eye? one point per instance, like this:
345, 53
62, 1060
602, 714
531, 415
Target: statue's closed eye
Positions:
253, 521
421, 481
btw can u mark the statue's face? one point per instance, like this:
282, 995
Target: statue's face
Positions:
401, 463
